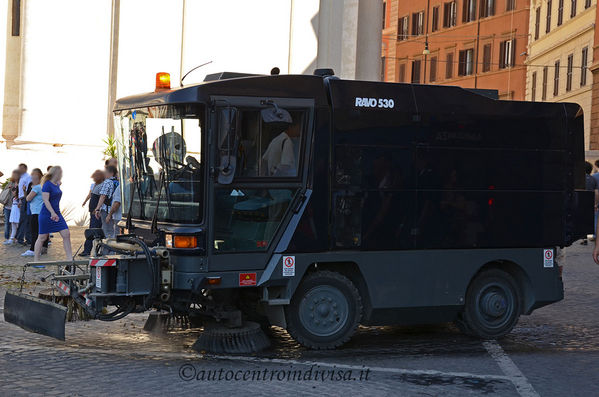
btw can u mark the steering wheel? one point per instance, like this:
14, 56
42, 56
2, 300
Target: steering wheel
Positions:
193, 162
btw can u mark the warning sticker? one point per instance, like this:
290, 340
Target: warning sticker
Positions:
288, 266
246, 279
548, 258
99, 277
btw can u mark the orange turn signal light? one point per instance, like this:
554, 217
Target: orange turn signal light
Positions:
185, 241
163, 81
213, 280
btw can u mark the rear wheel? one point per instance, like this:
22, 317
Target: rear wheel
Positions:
324, 311
492, 305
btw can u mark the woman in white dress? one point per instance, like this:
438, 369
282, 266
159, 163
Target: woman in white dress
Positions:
15, 213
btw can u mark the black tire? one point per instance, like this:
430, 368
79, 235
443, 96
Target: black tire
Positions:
493, 305
325, 311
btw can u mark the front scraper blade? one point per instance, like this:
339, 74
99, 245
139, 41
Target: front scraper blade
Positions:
34, 314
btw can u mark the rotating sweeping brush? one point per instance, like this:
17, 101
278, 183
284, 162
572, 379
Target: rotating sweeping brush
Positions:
219, 339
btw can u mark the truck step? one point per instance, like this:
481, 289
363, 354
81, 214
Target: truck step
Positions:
276, 302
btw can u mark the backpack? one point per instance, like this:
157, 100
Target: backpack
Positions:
6, 195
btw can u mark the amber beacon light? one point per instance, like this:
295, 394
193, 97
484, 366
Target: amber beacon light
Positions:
163, 81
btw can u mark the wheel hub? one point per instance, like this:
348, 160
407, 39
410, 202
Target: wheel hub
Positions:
324, 310
494, 304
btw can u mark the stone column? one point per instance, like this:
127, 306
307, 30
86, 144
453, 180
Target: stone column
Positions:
349, 38
13, 79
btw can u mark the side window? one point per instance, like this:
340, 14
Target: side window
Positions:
269, 146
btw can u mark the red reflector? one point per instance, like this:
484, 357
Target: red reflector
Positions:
246, 279
491, 202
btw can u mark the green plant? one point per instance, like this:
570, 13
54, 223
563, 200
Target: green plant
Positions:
83, 220
111, 149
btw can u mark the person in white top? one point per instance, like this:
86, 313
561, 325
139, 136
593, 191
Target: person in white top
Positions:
23, 232
280, 155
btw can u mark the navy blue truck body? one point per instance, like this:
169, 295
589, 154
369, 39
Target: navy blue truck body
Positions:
412, 194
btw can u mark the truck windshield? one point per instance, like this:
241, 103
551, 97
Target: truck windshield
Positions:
160, 162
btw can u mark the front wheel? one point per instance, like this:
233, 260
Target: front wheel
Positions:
492, 305
324, 311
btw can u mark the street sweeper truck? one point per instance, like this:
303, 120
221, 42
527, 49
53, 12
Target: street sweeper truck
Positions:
317, 204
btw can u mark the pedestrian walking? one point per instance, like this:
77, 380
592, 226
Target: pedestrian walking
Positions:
50, 218
591, 184
15, 212
596, 176
93, 197
23, 233
35, 200
116, 213
104, 205
6, 197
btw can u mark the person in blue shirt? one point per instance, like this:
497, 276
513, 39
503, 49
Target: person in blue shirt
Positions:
35, 203
50, 218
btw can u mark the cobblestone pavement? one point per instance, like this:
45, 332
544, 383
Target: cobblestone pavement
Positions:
553, 352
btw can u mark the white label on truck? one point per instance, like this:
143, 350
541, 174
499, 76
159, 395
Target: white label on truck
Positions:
99, 277
288, 266
383, 103
548, 258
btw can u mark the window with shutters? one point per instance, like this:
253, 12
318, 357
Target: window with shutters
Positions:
537, 22
403, 28
435, 19
560, 12
548, 17
544, 87
583, 68
416, 66
450, 13
486, 58
433, 71
510, 5
569, 72
465, 62
507, 53
449, 66
556, 79
487, 8
469, 11
402, 73
533, 88
418, 23
573, 9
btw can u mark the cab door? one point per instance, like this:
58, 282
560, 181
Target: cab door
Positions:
259, 150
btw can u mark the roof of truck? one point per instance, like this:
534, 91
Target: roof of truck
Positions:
228, 83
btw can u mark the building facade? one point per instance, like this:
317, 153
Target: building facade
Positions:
469, 43
64, 62
560, 53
